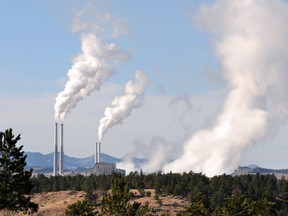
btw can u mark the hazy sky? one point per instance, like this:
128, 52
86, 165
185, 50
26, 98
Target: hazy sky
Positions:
185, 91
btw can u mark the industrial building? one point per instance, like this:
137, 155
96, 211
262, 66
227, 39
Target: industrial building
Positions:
100, 168
103, 168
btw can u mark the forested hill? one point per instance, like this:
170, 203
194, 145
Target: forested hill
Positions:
256, 169
250, 194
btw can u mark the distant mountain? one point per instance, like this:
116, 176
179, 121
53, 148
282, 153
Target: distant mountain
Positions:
39, 160
44, 163
252, 169
253, 166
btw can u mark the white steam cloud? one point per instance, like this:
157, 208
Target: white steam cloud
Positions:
127, 164
251, 42
123, 106
98, 59
92, 67
157, 154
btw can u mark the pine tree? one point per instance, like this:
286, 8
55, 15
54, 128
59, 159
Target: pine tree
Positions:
116, 203
80, 208
15, 182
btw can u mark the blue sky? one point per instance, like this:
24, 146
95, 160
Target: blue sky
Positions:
32, 39
38, 34
38, 45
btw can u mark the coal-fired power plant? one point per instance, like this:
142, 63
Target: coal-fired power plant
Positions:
101, 167
58, 164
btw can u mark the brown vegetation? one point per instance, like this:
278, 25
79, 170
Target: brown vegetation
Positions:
55, 203
170, 205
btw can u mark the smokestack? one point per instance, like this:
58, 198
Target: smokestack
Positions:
99, 152
96, 153
55, 162
61, 151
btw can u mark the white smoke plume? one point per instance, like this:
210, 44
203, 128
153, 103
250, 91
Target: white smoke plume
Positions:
250, 39
127, 164
182, 108
157, 153
96, 12
90, 70
123, 106
98, 60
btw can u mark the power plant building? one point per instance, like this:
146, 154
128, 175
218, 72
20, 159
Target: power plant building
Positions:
100, 168
103, 168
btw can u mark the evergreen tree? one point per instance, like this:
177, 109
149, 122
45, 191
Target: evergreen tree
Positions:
116, 203
15, 182
241, 205
80, 208
197, 207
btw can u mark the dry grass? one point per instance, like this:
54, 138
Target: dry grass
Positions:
170, 205
55, 203
7, 213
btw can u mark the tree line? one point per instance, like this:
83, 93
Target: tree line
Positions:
220, 195
213, 193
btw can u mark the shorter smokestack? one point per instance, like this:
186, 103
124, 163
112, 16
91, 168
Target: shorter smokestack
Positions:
55, 162
61, 150
99, 152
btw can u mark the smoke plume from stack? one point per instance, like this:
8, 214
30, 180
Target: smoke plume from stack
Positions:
250, 39
123, 106
158, 152
98, 59
91, 68
89, 71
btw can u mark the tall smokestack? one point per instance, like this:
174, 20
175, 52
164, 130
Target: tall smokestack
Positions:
55, 162
61, 150
96, 153
99, 152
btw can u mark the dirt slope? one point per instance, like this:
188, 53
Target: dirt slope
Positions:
55, 203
